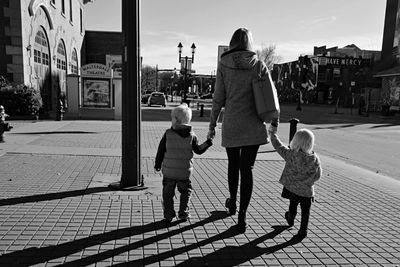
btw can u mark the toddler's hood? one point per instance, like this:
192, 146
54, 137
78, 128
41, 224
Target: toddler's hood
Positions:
184, 130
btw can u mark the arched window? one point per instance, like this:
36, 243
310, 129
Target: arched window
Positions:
41, 49
41, 58
61, 57
74, 62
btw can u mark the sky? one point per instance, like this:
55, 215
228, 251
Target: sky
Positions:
293, 26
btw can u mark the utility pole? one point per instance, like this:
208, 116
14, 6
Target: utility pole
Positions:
131, 178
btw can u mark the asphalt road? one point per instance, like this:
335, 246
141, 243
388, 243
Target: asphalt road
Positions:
370, 142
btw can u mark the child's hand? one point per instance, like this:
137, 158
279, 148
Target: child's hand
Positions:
272, 130
211, 134
209, 142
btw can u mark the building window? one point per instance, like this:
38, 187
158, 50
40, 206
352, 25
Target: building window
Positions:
74, 62
36, 56
80, 19
61, 59
63, 7
70, 10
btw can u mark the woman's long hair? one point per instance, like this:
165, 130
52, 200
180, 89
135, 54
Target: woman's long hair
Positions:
241, 40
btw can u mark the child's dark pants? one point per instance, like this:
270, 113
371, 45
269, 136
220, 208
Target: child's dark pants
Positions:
184, 188
305, 204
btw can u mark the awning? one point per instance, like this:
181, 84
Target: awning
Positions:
389, 72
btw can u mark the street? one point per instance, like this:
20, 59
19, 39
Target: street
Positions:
350, 138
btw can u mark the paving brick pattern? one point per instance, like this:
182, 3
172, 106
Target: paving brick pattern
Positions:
50, 216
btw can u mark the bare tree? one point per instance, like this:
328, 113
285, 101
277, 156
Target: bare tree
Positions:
269, 56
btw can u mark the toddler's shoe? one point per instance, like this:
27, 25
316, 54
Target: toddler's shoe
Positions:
184, 217
289, 218
167, 221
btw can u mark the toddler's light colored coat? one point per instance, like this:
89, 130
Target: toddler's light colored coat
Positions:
301, 170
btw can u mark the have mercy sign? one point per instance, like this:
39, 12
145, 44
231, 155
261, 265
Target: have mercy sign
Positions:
338, 61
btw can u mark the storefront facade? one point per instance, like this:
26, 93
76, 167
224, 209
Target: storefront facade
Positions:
41, 44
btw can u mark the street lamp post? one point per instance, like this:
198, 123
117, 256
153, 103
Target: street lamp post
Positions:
185, 70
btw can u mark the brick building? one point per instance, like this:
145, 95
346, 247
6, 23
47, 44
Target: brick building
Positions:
330, 75
40, 43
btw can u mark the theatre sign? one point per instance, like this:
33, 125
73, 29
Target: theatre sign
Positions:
339, 61
96, 70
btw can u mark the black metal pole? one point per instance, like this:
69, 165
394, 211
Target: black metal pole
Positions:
185, 82
293, 128
131, 116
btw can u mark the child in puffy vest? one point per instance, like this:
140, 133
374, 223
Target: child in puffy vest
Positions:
175, 159
301, 171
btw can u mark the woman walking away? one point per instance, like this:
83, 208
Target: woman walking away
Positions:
242, 130
302, 170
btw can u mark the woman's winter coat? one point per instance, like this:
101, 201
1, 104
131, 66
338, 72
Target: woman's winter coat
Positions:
241, 125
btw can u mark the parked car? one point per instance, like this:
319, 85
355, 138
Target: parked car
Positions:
145, 98
157, 98
207, 96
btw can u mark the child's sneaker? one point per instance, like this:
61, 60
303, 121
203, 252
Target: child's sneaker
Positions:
184, 217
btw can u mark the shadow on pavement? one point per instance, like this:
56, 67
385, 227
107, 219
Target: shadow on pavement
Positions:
334, 127
235, 255
223, 256
59, 132
32, 256
52, 196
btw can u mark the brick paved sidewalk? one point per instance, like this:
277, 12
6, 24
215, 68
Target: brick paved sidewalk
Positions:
51, 212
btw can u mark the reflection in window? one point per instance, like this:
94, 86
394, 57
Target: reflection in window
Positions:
74, 62
61, 60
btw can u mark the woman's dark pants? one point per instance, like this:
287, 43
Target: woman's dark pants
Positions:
241, 161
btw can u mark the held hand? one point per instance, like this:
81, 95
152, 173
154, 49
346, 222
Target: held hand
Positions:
157, 169
211, 134
272, 130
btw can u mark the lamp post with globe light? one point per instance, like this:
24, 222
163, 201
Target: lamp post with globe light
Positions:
185, 67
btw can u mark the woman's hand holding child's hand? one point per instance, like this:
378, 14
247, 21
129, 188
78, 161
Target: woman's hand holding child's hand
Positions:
272, 129
211, 134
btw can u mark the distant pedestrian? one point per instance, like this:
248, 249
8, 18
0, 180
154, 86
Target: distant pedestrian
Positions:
175, 159
242, 130
3, 125
302, 170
